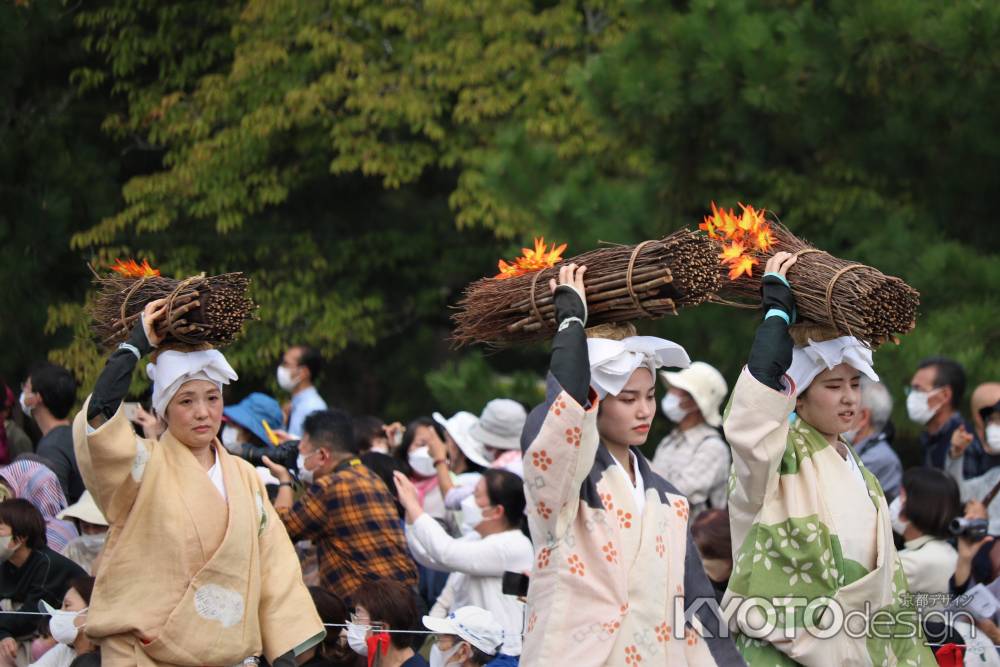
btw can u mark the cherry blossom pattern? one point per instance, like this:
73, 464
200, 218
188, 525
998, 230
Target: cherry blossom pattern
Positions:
663, 633
573, 436
610, 553
541, 460
607, 501
558, 406
681, 506
661, 548
632, 656
691, 636
575, 565
611, 627
624, 518
543, 510
544, 556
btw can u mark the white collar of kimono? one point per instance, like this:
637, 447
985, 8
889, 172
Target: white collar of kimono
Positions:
814, 358
174, 368
612, 362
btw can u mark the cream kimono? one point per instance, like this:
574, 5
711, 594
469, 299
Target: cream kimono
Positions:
610, 583
805, 528
188, 578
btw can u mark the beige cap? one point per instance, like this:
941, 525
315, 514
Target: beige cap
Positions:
84, 509
705, 384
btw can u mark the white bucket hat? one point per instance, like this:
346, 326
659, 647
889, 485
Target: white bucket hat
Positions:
705, 384
472, 624
500, 424
458, 427
84, 509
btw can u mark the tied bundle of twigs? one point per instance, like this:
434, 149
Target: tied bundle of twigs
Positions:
648, 280
200, 310
850, 298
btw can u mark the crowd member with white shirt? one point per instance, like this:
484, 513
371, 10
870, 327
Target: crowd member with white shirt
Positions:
477, 561
694, 457
299, 369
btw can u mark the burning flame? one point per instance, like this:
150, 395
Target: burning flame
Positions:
132, 269
742, 237
541, 257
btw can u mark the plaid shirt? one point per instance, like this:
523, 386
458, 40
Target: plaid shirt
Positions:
351, 517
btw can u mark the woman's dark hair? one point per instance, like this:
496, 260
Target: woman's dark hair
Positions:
932, 500
479, 657
366, 429
506, 490
333, 610
84, 586
710, 531
403, 451
25, 521
470, 465
393, 603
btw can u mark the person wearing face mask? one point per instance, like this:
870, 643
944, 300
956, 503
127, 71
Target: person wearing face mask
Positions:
467, 637
977, 488
694, 457
244, 435
346, 510
380, 608
459, 459
932, 401
198, 569
615, 568
869, 437
86, 549
494, 544
30, 572
807, 519
47, 396
299, 369
67, 625
927, 502
34, 481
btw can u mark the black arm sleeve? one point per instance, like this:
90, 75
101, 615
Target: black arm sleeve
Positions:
570, 363
771, 353
112, 385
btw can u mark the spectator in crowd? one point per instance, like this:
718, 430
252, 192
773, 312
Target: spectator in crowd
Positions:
372, 438
926, 504
244, 435
380, 607
13, 440
984, 396
467, 637
975, 555
494, 544
977, 488
47, 396
346, 510
869, 437
30, 572
694, 457
499, 429
459, 459
93, 528
198, 560
299, 370
34, 481
66, 626
933, 399
334, 651
710, 532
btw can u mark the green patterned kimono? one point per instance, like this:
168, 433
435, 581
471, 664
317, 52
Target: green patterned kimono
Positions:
788, 491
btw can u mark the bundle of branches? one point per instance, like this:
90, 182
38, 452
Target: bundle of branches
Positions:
201, 311
648, 280
830, 293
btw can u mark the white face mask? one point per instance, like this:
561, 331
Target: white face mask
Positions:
917, 408
421, 462
286, 380
440, 659
305, 474
230, 439
898, 525
671, 406
93, 541
25, 408
992, 444
472, 514
356, 638
6, 550
63, 627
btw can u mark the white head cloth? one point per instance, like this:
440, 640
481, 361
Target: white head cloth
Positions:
612, 362
814, 358
173, 368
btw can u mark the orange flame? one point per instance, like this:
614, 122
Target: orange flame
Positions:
533, 259
742, 237
132, 269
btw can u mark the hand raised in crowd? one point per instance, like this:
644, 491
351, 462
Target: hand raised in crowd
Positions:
152, 314
394, 434
409, 497
280, 472
960, 440
436, 447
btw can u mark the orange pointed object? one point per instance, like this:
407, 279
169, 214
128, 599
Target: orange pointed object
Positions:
742, 237
132, 269
743, 264
533, 259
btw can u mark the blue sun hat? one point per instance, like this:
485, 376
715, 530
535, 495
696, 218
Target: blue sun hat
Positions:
252, 410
